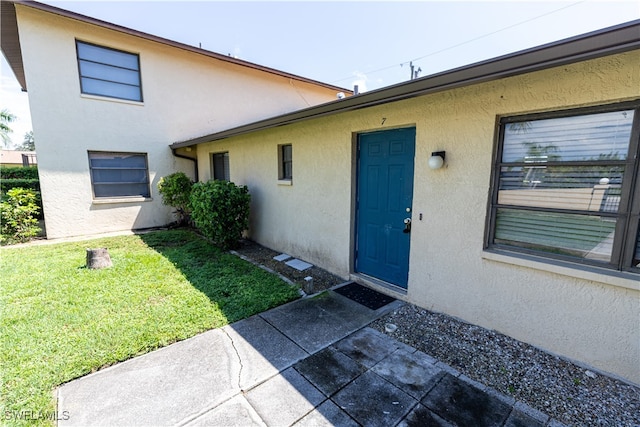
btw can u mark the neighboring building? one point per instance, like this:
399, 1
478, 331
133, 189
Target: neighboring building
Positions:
106, 101
530, 228
18, 158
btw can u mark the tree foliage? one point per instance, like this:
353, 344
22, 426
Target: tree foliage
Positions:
5, 119
220, 210
28, 143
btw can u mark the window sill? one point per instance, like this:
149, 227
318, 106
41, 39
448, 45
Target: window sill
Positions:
107, 98
285, 182
622, 279
110, 201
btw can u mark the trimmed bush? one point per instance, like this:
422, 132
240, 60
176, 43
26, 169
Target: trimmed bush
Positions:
175, 190
10, 183
18, 172
220, 210
18, 213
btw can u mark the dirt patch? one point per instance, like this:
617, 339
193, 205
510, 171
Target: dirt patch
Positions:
322, 279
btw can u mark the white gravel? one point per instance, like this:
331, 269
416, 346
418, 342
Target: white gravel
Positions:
569, 393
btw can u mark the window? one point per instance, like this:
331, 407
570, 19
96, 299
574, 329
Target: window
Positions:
285, 166
220, 166
119, 174
109, 72
567, 187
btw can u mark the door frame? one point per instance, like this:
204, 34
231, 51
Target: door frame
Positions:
355, 164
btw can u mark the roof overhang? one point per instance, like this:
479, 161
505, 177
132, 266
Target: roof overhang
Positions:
12, 51
608, 41
10, 41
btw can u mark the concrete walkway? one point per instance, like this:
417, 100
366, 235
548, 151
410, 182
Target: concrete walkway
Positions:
312, 362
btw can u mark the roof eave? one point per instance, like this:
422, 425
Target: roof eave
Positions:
609, 41
10, 41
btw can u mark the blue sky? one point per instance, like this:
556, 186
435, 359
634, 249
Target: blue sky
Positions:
344, 43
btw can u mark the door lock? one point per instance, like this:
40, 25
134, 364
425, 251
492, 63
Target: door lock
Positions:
407, 225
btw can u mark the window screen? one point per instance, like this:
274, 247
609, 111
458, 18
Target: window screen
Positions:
119, 174
109, 72
564, 186
286, 162
220, 166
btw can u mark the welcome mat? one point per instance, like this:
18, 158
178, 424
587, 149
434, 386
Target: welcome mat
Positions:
365, 296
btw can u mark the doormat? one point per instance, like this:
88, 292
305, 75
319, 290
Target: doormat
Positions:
365, 296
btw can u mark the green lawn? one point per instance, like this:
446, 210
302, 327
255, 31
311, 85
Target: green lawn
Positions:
60, 321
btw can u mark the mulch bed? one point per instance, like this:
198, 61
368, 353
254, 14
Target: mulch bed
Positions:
322, 279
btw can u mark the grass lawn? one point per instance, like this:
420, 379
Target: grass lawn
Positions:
60, 321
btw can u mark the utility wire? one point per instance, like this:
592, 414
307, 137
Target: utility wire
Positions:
465, 42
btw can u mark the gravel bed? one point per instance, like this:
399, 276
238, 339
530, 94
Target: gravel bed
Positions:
563, 390
569, 393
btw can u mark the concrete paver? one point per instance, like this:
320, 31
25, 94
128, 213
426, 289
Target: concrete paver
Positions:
316, 322
313, 362
160, 388
260, 350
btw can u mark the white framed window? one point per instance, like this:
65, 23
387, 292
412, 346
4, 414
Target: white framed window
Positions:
285, 162
116, 175
566, 186
220, 166
109, 72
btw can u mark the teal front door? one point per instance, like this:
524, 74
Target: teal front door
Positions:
384, 204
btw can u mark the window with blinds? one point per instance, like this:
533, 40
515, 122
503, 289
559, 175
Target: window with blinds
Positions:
220, 166
109, 72
566, 186
115, 175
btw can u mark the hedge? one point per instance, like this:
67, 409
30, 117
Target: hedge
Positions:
18, 172
31, 184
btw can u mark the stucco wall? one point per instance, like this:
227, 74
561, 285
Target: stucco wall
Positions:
186, 95
592, 318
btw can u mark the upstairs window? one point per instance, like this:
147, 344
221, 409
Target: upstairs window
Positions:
109, 72
115, 175
285, 165
566, 186
220, 166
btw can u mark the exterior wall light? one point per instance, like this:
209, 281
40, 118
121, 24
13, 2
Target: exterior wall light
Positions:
436, 160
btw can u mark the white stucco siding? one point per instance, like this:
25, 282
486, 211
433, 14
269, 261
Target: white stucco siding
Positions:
588, 317
185, 95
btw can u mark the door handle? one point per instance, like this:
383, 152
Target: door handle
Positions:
407, 225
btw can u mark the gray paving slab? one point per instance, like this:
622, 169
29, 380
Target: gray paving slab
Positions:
236, 412
369, 346
421, 416
412, 372
298, 264
463, 404
262, 349
329, 370
327, 415
285, 398
373, 401
314, 323
160, 388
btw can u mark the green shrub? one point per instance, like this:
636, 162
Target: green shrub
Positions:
18, 172
18, 213
10, 183
175, 190
220, 210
